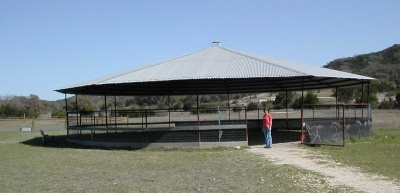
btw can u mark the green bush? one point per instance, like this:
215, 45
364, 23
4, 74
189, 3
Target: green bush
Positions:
187, 105
58, 113
387, 104
252, 106
237, 109
281, 100
8, 110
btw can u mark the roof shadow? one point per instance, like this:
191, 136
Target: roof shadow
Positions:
278, 136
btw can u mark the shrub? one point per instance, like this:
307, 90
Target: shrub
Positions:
252, 106
387, 104
187, 105
59, 113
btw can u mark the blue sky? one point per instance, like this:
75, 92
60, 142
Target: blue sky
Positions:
50, 44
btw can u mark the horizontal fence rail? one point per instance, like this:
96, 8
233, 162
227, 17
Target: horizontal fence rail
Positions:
148, 118
211, 124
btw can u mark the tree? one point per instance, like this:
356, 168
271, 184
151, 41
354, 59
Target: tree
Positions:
297, 103
59, 113
84, 103
365, 98
311, 98
268, 104
387, 104
177, 105
252, 106
130, 102
34, 104
187, 105
345, 95
280, 100
8, 110
397, 100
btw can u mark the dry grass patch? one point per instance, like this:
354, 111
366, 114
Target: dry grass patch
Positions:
33, 168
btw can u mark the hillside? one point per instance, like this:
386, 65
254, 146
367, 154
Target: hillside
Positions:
383, 65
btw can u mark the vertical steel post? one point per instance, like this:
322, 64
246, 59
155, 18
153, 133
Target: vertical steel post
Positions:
247, 130
105, 107
229, 109
287, 116
302, 101
66, 113
115, 112
337, 112
302, 92
368, 92
362, 97
142, 112
344, 126
198, 117
145, 114
197, 109
169, 112
302, 124
76, 109
302, 109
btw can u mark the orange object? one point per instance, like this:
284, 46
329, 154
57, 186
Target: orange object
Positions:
302, 137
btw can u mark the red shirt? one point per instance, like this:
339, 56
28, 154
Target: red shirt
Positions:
267, 121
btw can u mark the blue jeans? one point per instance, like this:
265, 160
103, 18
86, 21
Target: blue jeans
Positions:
268, 137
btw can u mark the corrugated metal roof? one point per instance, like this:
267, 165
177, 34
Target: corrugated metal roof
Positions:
215, 63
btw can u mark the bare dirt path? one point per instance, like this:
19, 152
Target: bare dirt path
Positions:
336, 174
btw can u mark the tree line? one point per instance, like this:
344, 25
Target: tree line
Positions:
26, 106
32, 106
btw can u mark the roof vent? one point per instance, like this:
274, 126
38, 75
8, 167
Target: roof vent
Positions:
216, 44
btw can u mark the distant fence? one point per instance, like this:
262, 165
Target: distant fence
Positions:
16, 123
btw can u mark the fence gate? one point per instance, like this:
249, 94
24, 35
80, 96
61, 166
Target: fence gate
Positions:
332, 124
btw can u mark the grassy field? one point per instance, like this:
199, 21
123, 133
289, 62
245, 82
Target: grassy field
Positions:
378, 154
26, 166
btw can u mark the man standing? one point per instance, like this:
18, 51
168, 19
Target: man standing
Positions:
267, 125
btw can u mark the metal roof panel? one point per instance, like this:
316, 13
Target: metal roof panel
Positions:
220, 64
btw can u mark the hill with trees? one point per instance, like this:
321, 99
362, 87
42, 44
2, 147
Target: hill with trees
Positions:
383, 65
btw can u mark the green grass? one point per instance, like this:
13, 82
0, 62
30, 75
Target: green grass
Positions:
378, 154
26, 166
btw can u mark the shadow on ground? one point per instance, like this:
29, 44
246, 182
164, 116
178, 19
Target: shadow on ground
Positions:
278, 136
61, 142
255, 138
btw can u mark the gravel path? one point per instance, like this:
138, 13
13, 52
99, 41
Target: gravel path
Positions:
336, 174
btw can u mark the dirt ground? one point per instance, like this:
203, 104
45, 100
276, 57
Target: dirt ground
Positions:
337, 175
